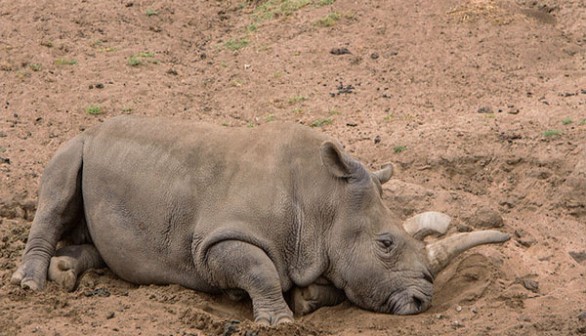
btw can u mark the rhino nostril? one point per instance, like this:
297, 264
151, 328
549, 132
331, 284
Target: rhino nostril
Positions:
418, 303
428, 277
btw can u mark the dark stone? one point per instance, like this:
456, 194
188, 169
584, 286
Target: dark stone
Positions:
340, 51
485, 217
485, 109
578, 256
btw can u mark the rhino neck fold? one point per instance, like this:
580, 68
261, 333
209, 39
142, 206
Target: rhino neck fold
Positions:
308, 261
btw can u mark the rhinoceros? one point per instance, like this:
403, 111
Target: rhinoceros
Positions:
263, 211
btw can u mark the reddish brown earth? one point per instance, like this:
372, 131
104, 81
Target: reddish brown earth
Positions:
480, 104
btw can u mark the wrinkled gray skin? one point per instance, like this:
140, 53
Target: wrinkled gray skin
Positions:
217, 209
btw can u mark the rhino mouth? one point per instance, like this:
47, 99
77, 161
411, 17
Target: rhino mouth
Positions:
407, 302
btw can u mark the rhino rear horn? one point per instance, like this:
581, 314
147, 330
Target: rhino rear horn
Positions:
384, 174
427, 223
440, 253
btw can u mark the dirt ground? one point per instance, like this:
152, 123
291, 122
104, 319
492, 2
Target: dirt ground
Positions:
480, 104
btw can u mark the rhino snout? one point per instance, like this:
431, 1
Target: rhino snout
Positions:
409, 301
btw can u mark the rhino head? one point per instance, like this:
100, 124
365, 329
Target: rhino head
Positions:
379, 264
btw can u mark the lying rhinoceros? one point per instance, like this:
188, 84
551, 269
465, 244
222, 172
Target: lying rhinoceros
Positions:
215, 209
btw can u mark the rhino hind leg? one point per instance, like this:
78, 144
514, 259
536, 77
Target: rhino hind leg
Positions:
59, 210
305, 300
238, 265
70, 262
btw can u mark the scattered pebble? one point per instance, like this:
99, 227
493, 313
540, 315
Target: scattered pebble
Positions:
101, 292
524, 238
457, 324
458, 308
578, 256
474, 310
485, 217
531, 285
110, 315
374, 55
582, 316
377, 139
231, 328
340, 51
485, 109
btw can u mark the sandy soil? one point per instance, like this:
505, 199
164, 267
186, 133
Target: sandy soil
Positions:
480, 104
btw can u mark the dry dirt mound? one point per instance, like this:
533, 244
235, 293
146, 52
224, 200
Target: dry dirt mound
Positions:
480, 104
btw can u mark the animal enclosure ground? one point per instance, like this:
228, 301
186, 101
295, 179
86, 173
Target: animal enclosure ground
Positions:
480, 104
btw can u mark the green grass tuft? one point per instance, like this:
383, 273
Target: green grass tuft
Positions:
328, 20
321, 122
321, 3
141, 57
65, 61
399, 149
552, 133
94, 110
278, 8
236, 44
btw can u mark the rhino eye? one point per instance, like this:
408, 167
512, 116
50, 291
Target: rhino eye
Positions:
385, 241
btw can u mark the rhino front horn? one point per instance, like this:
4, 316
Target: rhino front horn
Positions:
443, 251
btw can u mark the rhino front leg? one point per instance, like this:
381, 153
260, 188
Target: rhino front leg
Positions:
58, 211
238, 265
319, 294
70, 262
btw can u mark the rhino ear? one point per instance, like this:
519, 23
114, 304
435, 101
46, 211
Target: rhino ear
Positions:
337, 162
384, 174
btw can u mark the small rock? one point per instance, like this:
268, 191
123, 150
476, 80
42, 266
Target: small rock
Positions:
485, 109
231, 328
351, 124
458, 308
578, 256
582, 316
101, 292
485, 217
514, 111
99, 85
110, 315
374, 55
457, 324
474, 310
439, 316
172, 72
530, 284
524, 238
377, 139
4, 160
340, 51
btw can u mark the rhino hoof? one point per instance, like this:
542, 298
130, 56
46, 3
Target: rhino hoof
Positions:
23, 278
273, 320
30, 284
61, 270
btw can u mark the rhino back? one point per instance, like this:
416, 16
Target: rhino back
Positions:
156, 192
